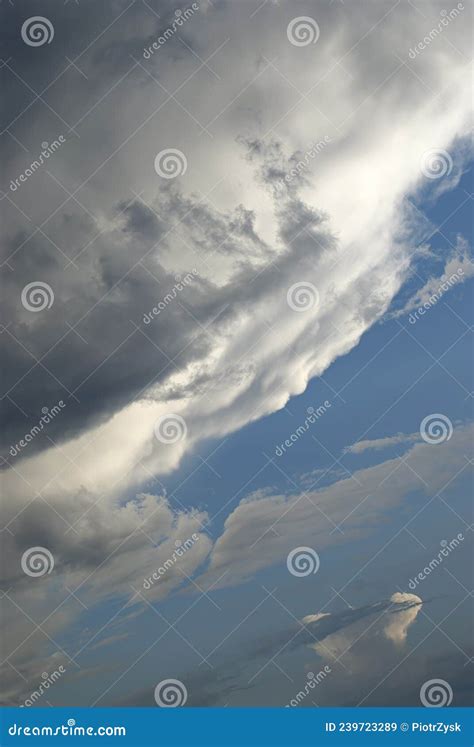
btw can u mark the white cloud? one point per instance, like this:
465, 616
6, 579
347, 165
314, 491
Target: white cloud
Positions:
355, 504
260, 353
458, 268
378, 444
360, 643
397, 629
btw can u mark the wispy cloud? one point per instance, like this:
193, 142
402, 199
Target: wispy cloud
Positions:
378, 444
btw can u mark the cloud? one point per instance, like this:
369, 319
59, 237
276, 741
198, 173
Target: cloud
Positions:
378, 444
110, 550
107, 555
326, 632
249, 243
355, 505
369, 643
397, 629
329, 635
344, 630
458, 268
112, 240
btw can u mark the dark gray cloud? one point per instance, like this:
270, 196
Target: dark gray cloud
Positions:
91, 353
128, 251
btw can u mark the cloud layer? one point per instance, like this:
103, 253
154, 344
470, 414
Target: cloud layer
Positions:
287, 275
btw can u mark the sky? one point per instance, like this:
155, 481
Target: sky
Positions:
236, 328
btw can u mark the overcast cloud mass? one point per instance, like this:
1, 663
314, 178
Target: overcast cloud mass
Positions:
210, 358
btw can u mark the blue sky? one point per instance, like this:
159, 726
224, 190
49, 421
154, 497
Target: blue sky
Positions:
377, 400
372, 377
